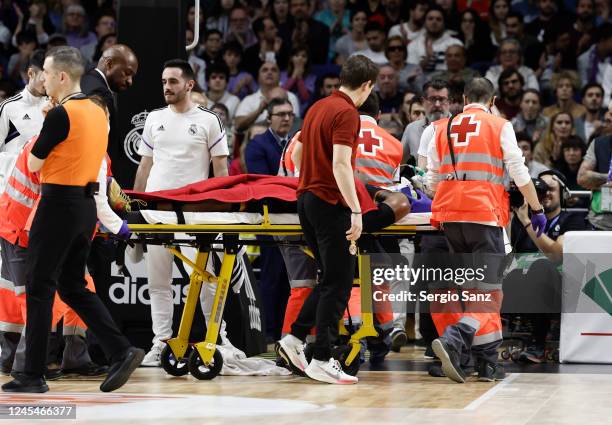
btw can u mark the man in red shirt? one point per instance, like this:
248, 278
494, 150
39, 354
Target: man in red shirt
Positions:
330, 217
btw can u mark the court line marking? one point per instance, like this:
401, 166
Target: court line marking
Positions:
492, 392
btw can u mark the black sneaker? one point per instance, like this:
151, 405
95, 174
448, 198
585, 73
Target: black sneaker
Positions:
25, 384
119, 372
429, 353
451, 364
398, 339
436, 371
89, 369
490, 372
54, 374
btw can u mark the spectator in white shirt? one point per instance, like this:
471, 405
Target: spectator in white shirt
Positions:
510, 56
253, 107
217, 77
413, 28
376, 38
354, 40
593, 62
427, 50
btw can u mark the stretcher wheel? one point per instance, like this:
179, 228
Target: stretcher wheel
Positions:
171, 365
515, 355
505, 355
203, 372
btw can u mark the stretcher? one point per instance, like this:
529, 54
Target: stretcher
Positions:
230, 230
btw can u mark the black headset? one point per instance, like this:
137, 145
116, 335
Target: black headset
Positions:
560, 178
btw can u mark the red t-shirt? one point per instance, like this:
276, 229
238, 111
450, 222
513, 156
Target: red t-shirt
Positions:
330, 121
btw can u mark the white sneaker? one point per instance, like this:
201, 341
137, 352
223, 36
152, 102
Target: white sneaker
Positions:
152, 358
291, 349
330, 372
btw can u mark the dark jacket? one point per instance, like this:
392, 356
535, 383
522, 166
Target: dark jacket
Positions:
262, 154
92, 83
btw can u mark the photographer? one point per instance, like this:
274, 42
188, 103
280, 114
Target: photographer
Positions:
552, 196
538, 291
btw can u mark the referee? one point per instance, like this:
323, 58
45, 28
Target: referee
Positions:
68, 154
330, 217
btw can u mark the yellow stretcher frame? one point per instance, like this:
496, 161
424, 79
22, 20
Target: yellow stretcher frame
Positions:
205, 353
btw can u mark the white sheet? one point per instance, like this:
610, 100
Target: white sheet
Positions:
169, 217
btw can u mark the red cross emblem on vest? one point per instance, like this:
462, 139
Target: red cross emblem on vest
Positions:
463, 129
369, 142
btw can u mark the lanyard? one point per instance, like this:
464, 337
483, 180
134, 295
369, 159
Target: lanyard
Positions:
552, 223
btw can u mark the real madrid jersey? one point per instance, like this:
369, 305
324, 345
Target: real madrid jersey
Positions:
21, 119
181, 145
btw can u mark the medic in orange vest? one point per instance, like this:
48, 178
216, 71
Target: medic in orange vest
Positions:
379, 154
17, 207
471, 206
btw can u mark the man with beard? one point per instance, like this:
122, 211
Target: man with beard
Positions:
114, 73
436, 103
428, 49
414, 26
511, 84
178, 144
542, 274
584, 25
592, 100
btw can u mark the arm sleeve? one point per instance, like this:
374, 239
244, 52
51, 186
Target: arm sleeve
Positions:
346, 128
244, 108
433, 165
413, 53
106, 215
590, 153
145, 147
217, 138
54, 131
513, 156
4, 127
255, 159
426, 139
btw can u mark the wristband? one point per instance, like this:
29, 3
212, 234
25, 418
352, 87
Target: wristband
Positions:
527, 225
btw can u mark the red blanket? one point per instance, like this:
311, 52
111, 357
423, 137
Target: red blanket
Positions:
242, 188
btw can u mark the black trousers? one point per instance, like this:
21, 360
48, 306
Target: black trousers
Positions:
324, 226
60, 240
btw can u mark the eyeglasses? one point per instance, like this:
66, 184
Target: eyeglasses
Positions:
435, 99
395, 48
283, 114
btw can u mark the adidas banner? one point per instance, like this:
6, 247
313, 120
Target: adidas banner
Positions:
586, 322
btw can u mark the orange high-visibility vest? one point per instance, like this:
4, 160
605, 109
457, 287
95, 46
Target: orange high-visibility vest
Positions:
287, 167
379, 154
476, 192
19, 198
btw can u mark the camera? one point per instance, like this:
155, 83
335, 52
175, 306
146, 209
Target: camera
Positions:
516, 197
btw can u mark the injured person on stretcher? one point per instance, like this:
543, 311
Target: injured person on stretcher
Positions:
227, 199
238, 200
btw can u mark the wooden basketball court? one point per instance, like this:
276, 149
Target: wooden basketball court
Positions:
401, 393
